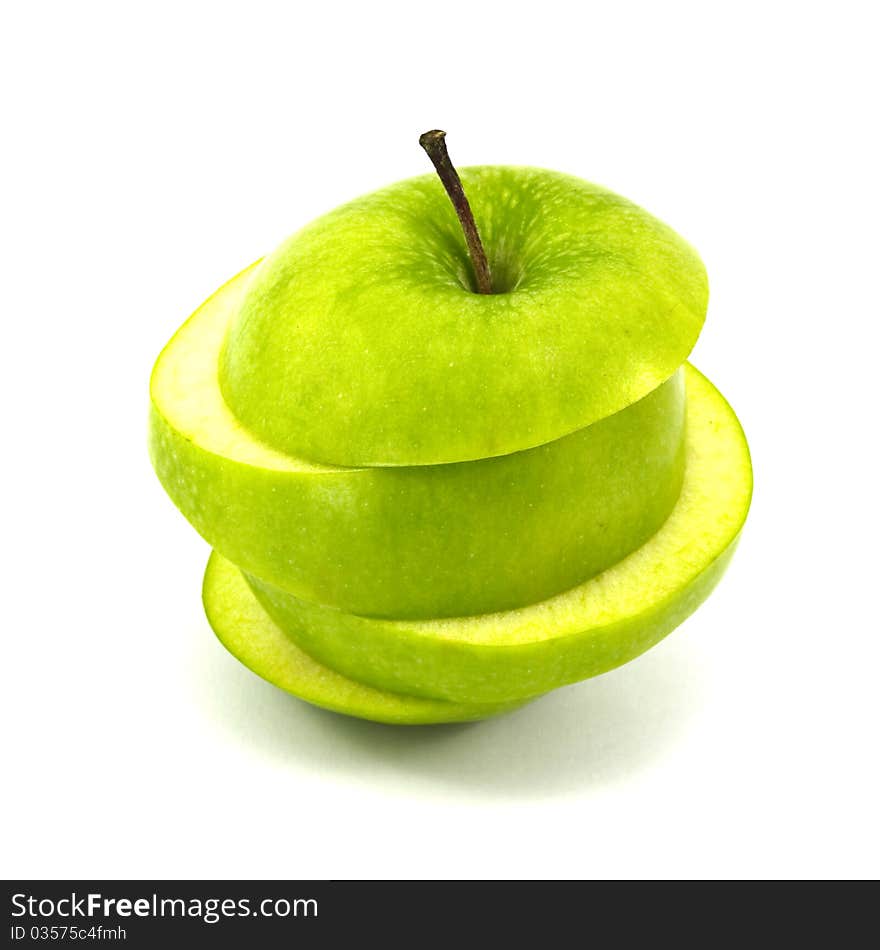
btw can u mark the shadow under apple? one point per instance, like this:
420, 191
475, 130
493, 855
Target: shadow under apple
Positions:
591, 734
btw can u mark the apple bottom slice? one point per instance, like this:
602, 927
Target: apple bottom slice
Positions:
583, 632
250, 635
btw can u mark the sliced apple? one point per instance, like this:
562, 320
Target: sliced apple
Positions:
429, 541
594, 627
250, 635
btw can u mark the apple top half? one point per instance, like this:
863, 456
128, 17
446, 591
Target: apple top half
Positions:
361, 340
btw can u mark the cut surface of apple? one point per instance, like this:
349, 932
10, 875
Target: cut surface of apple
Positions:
425, 541
371, 347
250, 635
588, 630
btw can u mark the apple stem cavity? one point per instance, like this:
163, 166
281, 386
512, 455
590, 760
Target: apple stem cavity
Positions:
434, 143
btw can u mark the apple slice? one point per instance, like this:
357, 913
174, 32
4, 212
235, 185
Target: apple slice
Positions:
594, 627
250, 635
360, 340
425, 541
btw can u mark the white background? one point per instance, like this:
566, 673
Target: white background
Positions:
152, 150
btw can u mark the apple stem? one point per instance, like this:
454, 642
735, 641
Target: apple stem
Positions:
434, 144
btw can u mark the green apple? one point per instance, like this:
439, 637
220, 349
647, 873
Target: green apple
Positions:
360, 342
444, 475
588, 630
247, 631
420, 541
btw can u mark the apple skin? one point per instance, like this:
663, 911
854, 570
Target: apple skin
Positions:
360, 341
601, 624
430, 541
250, 635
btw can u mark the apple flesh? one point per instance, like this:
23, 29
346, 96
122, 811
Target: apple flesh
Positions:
406, 542
588, 630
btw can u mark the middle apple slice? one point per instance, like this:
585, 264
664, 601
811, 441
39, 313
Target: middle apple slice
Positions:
409, 542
